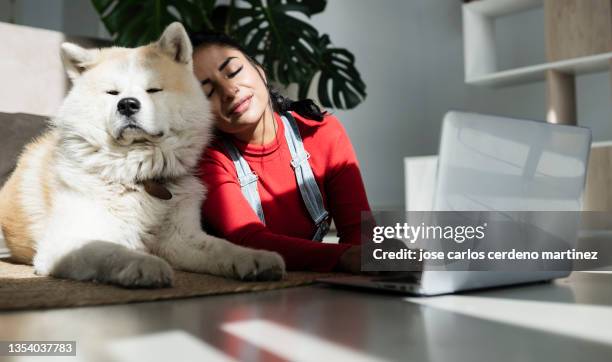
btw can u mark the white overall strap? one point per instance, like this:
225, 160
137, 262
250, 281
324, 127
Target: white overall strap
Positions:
305, 178
247, 179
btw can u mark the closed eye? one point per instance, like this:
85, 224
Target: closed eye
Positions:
112, 92
154, 90
233, 74
229, 76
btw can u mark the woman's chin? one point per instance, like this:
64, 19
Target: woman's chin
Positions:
247, 117
236, 124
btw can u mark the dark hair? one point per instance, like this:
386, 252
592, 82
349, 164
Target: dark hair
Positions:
280, 104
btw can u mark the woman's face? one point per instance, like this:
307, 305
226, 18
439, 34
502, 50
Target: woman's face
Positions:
234, 86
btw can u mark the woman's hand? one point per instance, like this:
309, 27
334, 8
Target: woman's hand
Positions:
350, 260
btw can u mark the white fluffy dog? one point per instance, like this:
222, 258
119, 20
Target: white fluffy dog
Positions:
109, 194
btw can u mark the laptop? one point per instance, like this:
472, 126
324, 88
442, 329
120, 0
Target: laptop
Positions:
491, 163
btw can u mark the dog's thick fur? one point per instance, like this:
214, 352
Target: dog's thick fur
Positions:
76, 207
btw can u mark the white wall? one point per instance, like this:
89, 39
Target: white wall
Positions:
72, 17
410, 54
387, 41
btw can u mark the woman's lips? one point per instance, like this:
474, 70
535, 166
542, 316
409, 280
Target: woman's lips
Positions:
241, 107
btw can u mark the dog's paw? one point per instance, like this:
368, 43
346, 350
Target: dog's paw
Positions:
258, 265
146, 271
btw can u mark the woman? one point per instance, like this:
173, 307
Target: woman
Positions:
272, 210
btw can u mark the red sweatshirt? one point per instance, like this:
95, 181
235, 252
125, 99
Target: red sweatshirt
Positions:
289, 228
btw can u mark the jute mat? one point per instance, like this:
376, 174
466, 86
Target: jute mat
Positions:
20, 288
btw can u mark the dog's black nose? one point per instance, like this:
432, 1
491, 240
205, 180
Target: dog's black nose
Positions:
128, 106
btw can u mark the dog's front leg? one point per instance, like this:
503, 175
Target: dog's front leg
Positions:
185, 246
104, 262
204, 253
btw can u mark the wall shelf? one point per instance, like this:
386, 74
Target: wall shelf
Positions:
480, 58
578, 41
532, 73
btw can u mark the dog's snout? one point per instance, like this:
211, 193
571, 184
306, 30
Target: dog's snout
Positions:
128, 106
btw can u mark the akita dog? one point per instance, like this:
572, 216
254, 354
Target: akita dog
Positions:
109, 193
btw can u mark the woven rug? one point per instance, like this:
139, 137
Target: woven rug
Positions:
20, 288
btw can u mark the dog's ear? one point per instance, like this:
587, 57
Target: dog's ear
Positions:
76, 59
175, 42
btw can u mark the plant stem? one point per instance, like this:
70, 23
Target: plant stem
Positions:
228, 17
276, 34
157, 20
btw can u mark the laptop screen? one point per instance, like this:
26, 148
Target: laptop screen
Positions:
489, 163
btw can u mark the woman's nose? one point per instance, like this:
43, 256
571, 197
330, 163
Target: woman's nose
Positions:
229, 90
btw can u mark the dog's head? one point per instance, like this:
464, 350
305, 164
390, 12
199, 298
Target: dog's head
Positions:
143, 100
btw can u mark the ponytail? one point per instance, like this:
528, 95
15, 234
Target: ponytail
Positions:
306, 108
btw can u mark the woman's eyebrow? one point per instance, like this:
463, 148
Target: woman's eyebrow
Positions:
223, 65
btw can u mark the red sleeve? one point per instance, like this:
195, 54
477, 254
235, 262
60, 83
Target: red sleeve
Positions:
227, 213
344, 186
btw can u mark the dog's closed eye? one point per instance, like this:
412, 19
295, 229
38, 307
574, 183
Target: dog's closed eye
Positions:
154, 90
112, 92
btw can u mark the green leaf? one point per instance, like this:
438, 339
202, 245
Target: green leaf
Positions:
101, 5
308, 7
291, 50
120, 13
304, 86
206, 6
138, 22
322, 91
271, 32
191, 14
338, 71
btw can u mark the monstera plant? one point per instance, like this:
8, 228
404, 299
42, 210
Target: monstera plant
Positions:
291, 50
